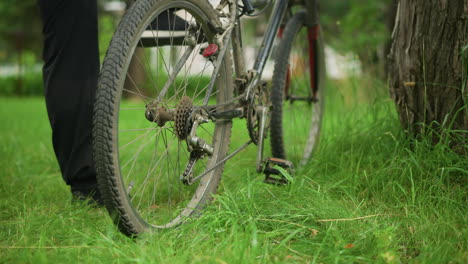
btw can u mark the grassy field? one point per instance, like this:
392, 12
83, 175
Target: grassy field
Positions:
368, 196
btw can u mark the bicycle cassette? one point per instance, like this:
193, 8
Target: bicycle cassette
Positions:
182, 122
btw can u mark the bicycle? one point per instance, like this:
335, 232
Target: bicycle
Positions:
160, 157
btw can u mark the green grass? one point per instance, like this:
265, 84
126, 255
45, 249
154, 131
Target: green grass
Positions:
399, 201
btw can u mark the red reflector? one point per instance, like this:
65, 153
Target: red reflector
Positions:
210, 50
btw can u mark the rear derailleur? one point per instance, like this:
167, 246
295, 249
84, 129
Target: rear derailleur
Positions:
187, 119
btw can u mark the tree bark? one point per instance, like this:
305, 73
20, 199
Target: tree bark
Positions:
428, 66
136, 74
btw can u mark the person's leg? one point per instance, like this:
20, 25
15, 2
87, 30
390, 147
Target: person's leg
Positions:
71, 68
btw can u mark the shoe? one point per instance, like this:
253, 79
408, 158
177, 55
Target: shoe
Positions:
92, 198
166, 29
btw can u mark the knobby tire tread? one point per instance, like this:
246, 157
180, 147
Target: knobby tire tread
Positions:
292, 28
106, 96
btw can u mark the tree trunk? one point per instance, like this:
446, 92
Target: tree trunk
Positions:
136, 74
390, 14
428, 66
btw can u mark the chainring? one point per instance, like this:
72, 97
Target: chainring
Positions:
259, 97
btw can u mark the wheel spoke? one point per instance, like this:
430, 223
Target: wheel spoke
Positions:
147, 158
295, 119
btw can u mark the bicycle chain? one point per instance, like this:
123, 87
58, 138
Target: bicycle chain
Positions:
260, 97
196, 155
186, 175
219, 163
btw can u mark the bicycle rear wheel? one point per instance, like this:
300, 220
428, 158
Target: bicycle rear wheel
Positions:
297, 91
139, 162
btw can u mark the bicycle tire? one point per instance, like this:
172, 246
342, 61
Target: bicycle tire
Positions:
291, 137
149, 195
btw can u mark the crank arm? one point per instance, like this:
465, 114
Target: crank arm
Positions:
261, 137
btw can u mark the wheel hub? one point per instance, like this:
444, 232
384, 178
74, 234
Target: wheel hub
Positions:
181, 116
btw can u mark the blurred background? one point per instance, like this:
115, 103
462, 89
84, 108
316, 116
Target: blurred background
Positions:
357, 34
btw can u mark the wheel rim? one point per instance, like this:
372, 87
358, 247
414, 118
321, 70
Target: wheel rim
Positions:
151, 157
301, 113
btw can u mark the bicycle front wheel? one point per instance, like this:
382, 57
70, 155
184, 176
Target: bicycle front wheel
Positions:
297, 91
155, 63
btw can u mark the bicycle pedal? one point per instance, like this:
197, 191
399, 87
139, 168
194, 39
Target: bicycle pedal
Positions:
275, 176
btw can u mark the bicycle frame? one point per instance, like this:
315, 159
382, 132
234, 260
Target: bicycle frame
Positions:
279, 10
231, 34
187, 141
234, 35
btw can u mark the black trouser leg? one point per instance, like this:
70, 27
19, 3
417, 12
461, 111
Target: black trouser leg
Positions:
71, 68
